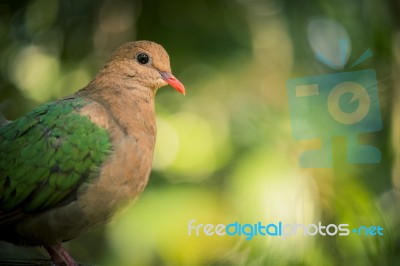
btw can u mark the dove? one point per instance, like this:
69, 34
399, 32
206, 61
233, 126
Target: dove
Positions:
71, 164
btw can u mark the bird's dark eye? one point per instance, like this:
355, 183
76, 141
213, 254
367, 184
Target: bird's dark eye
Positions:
142, 58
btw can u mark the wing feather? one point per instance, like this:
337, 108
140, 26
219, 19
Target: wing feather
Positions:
46, 155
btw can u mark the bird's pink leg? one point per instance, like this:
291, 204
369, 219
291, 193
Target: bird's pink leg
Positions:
59, 255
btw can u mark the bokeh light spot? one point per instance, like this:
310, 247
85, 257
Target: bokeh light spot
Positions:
35, 73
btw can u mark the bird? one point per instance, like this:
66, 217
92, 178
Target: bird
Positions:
69, 165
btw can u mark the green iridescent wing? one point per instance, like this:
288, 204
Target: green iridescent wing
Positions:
46, 155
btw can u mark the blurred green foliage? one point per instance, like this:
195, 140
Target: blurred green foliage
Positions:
225, 152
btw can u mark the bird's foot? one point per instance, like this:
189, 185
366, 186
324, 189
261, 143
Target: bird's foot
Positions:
60, 255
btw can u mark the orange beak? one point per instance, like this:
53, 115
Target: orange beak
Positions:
173, 82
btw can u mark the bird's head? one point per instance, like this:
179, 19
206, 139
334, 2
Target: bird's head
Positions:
147, 63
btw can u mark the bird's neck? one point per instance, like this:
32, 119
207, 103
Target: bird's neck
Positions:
130, 104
